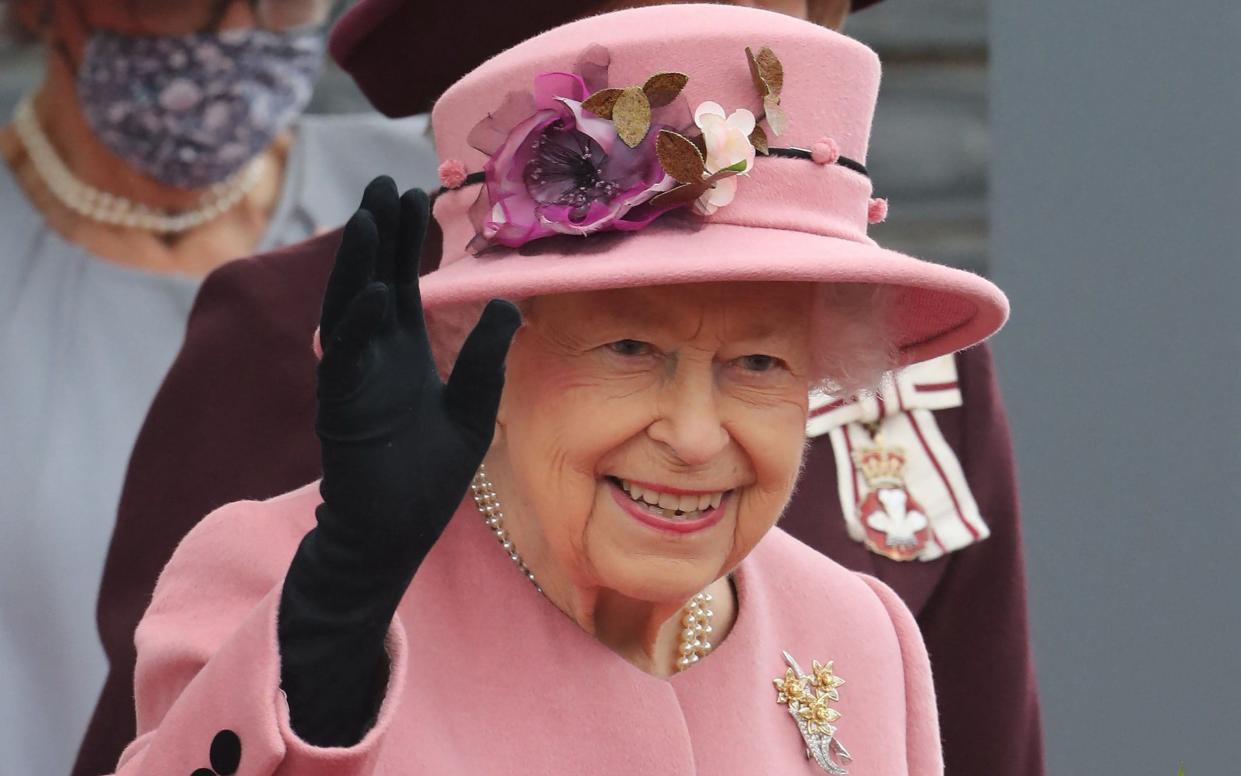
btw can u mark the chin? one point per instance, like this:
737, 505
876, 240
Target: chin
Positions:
653, 580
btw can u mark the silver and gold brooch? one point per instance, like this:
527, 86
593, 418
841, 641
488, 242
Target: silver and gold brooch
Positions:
809, 700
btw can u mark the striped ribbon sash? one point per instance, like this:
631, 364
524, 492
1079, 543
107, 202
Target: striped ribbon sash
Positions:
902, 490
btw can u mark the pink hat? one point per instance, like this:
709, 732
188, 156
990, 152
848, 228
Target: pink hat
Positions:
679, 144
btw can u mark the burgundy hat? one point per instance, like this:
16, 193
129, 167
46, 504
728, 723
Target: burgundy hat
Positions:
403, 54
679, 144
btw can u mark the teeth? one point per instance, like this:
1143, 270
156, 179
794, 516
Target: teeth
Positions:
669, 505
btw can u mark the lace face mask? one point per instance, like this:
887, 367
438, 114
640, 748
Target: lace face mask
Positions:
191, 110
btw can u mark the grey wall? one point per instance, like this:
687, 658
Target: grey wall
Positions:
930, 148
1116, 226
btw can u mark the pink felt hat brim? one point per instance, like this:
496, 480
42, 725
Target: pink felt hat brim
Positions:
938, 309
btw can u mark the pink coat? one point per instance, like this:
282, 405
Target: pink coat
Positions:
487, 677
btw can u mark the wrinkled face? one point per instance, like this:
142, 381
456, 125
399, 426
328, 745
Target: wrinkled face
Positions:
655, 434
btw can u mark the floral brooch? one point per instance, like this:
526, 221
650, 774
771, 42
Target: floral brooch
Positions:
808, 699
575, 155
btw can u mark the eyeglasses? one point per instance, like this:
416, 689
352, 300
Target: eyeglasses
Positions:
172, 17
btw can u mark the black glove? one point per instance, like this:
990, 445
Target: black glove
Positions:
399, 450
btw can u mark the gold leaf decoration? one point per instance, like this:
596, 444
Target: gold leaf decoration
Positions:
700, 142
777, 119
758, 79
758, 139
727, 172
679, 156
687, 193
602, 102
770, 70
765, 87
768, 75
632, 116
662, 88
681, 195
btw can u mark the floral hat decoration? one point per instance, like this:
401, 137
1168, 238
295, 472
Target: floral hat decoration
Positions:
679, 144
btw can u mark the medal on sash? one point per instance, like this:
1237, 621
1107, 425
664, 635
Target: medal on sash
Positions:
895, 524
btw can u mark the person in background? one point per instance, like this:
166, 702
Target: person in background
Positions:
165, 140
247, 373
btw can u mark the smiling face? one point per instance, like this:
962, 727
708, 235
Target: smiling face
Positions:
691, 397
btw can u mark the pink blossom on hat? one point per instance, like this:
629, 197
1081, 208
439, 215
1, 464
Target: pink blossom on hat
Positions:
452, 174
727, 139
825, 151
877, 210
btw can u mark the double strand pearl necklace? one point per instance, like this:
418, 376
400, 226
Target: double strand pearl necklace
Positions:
695, 617
105, 208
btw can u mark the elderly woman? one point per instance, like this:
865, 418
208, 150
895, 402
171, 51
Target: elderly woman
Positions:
679, 265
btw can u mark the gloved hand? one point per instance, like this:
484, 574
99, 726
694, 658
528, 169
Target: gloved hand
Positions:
399, 449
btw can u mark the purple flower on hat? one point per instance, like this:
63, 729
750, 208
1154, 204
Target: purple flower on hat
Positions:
561, 170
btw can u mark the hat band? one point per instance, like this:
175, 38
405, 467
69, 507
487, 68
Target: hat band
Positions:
826, 200
807, 153
475, 178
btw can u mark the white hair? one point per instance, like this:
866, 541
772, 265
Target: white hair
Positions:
853, 344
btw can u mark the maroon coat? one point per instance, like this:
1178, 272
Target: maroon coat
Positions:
233, 420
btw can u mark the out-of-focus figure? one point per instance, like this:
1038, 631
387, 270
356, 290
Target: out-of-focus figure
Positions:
166, 139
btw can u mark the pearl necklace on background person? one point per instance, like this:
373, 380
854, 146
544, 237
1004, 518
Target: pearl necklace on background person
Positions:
695, 617
114, 210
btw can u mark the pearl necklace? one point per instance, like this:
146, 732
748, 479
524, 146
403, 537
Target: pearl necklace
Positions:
114, 210
695, 617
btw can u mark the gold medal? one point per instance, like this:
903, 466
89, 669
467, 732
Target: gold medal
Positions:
895, 525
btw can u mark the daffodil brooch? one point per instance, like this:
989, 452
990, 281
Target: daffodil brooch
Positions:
808, 699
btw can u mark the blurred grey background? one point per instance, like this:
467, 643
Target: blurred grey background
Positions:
930, 147
1113, 160
1116, 185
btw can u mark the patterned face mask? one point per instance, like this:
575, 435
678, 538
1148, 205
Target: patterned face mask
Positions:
191, 110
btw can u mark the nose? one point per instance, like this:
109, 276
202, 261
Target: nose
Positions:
689, 423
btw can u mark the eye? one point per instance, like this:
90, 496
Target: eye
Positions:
757, 362
631, 348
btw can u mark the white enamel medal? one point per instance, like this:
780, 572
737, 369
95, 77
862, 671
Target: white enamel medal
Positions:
896, 526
